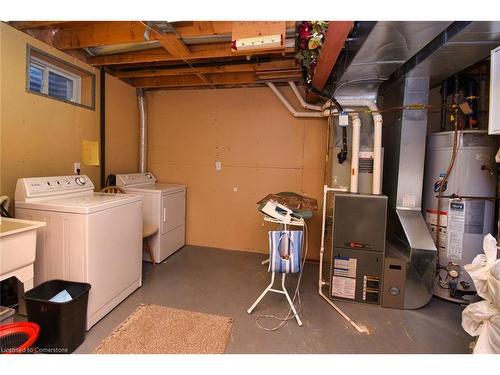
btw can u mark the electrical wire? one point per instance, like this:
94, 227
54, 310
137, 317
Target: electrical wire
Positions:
308, 83
296, 294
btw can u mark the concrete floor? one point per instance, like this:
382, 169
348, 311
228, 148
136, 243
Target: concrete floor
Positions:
227, 283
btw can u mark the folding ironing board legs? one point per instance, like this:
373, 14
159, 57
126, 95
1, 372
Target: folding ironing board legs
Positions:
282, 291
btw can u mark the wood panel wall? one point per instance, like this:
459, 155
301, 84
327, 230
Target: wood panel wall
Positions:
261, 147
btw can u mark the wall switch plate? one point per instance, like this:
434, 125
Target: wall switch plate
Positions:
76, 167
218, 165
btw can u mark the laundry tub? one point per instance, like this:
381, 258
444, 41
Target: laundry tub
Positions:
18, 252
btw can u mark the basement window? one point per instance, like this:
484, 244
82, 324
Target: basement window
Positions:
52, 77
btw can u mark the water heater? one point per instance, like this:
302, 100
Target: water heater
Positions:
467, 209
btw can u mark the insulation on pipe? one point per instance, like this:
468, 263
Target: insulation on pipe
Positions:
143, 131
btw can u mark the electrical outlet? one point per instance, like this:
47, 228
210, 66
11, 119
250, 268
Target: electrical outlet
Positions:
76, 167
218, 165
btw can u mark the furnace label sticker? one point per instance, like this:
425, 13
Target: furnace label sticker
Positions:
343, 287
345, 267
456, 226
344, 277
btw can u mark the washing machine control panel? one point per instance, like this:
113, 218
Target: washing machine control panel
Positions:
43, 186
134, 179
80, 180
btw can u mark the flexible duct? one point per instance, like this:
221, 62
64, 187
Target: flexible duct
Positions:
143, 131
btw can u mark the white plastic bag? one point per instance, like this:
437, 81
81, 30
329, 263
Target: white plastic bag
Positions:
494, 284
483, 319
479, 270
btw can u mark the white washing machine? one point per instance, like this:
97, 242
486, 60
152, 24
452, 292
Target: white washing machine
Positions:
164, 206
90, 237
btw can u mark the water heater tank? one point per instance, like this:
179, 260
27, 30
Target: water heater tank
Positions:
463, 222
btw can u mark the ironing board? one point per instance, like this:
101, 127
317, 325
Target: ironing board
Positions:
269, 288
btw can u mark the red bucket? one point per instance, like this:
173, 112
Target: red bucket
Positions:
17, 338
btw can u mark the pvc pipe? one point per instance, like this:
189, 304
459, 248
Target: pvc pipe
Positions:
327, 111
301, 100
377, 153
356, 129
143, 131
289, 106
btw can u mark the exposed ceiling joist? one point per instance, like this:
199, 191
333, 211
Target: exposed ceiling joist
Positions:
288, 64
98, 34
160, 54
174, 45
335, 38
103, 33
215, 79
24, 25
213, 51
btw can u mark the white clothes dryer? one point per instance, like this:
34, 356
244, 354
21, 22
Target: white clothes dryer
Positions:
164, 206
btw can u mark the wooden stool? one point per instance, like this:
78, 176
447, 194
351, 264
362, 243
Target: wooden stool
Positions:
147, 231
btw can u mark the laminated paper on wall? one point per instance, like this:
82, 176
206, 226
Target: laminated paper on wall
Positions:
90, 152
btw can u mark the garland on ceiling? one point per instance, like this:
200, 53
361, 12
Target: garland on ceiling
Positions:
310, 38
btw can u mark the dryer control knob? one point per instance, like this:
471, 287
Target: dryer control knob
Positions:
80, 181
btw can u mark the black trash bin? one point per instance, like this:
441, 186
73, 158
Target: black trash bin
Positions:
62, 325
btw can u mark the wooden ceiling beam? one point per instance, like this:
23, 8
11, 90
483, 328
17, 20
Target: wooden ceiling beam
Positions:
173, 45
201, 28
213, 79
72, 35
212, 51
280, 74
335, 38
276, 65
24, 25
98, 34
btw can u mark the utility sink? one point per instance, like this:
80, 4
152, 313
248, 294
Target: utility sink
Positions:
18, 251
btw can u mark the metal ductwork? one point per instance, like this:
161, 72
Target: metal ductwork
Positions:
395, 64
377, 50
460, 45
408, 239
143, 131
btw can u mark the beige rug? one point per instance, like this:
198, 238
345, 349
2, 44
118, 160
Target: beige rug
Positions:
153, 329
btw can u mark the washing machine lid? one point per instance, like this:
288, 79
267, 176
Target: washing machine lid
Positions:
81, 204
